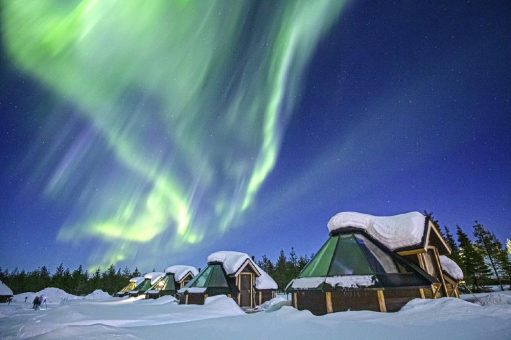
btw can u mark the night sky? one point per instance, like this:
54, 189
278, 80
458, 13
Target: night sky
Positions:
155, 135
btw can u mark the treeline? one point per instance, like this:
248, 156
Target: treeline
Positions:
484, 260
76, 282
285, 268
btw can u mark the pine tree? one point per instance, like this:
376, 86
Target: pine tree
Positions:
280, 270
491, 247
475, 270
136, 273
452, 244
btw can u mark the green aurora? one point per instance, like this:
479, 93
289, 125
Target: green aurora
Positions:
190, 100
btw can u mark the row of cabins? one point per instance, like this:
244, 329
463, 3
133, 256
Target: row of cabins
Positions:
368, 263
229, 273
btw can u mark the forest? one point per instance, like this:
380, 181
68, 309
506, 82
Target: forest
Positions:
484, 259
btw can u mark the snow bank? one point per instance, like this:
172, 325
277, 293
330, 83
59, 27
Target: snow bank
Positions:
393, 231
451, 268
52, 295
4, 290
274, 304
489, 299
233, 260
345, 281
98, 294
221, 318
180, 271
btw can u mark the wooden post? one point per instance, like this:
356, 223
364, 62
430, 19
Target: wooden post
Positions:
421, 292
381, 300
328, 300
440, 272
295, 295
186, 299
260, 298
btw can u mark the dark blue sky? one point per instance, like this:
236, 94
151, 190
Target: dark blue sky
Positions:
404, 106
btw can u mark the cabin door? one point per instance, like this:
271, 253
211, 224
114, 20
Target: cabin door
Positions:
245, 287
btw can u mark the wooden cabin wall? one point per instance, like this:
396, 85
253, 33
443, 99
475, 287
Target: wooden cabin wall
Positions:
398, 297
311, 300
355, 299
261, 296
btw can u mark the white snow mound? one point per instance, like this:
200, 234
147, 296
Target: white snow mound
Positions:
451, 268
395, 232
98, 294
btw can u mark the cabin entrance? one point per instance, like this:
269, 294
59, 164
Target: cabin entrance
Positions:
245, 287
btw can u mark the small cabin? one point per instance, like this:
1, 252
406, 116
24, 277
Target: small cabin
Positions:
149, 280
233, 274
371, 263
134, 281
176, 277
5, 293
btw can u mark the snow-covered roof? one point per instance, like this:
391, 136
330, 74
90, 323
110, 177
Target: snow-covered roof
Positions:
345, 281
4, 290
180, 271
394, 232
154, 276
233, 260
137, 280
230, 260
451, 268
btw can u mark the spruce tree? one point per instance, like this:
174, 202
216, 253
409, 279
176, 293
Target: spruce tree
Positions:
475, 270
490, 246
280, 270
452, 244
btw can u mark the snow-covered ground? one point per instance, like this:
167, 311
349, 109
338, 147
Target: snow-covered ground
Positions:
221, 318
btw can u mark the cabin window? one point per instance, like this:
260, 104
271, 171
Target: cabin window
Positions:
321, 262
380, 261
201, 280
349, 259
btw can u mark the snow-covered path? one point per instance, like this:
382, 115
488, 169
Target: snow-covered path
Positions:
220, 318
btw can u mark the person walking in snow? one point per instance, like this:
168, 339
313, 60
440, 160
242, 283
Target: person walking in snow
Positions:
26, 297
36, 302
43, 300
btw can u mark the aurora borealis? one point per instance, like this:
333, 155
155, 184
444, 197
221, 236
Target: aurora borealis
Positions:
165, 129
189, 102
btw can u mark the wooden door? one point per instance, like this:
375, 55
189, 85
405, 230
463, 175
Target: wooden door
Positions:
245, 287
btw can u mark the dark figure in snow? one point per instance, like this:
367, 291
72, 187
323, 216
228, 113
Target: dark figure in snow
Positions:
9, 300
37, 302
43, 300
26, 297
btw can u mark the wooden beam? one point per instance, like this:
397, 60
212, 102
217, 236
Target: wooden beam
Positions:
441, 272
328, 300
186, 299
410, 252
421, 292
260, 298
295, 295
381, 300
